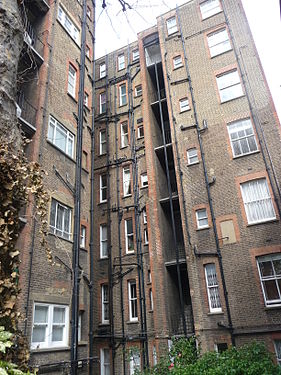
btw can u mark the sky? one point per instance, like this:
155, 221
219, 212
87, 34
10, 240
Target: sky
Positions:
116, 28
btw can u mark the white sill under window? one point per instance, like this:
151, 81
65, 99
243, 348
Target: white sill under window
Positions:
246, 154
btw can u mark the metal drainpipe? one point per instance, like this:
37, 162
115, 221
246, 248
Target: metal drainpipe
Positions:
77, 200
179, 165
259, 129
39, 154
207, 186
171, 203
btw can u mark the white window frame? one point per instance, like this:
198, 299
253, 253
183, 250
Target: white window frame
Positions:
136, 55
48, 343
104, 304
64, 232
71, 80
128, 236
88, 51
83, 233
86, 99
184, 105
277, 347
232, 88
192, 156
199, 219
138, 90
219, 42
102, 70
140, 131
275, 277
104, 366
102, 142
172, 26
79, 326
68, 25
208, 9
154, 355
242, 141
121, 62
144, 215
103, 241
122, 96
177, 62
124, 134
145, 236
144, 180
257, 205
213, 288
102, 102
133, 300
151, 300
89, 12
127, 185
55, 130
102, 188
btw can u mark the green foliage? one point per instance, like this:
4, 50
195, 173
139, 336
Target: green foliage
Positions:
5, 340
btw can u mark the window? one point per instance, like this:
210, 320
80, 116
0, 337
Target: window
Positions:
104, 304
212, 288
50, 326
103, 188
124, 134
102, 103
71, 83
140, 131
209, 8
105, 362
103, 241
220, 347
229, 86
133, 302
61, 137
192, 156
86, 100
83, 237
122, 94
144, 216
135, 364
127, 190
68, 25
172, 26
269, 267
88, 51
129, 236
177, 61
138, 90
80, 326
202, 218
144, 180
150, 300
218, 42
102, 70
84, 160
277, 345
145, 235
121, 62
89, 13
257, 201
60, 220
136, 55
149, 279
154, 355
102, 142
242, 137
184, 105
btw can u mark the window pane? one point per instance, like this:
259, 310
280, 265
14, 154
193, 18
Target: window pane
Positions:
60, 139
57, 334
271, 291
59, 315
211, 275
41, 314
201, 214
266, 268
277, 266
39, 334
129, 224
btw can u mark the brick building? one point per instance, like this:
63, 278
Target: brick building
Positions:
186, 189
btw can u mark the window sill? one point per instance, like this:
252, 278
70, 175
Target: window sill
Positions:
101, 259
132, 322
198, 229
230, 100
103, 202
203, 19
130, 253
120, 70
222, 53
186, 110
122, 105
104, 324
57, 148
60, 237
150, 311
249, 153
140, 137
126, 196
215, 313
263, 222
273, 307
85, 170
178, 67
84, 249
144, 187
172, 35
122, 147
72, 97
191, 164
44, 350
82, 343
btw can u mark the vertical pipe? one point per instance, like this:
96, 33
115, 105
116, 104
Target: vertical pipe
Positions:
207, 184
77, 200
171, 202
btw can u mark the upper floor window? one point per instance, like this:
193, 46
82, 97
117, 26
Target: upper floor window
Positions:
124, 134
257, 201
102, 102
144, 215
192, 156
177, 62
50, 326
86, 100
202, 218
212, 288
102, 70
88, 52
102, 142
71, 82
103, 241
105, 362
218, 42
60, 219
89, 12
133, 301
140, 131
103, 188
121, 62
184, 105
242, 137
145, 236
83, 236
122, 94
144, 180
68, 25
127, 190
136, 54
138, 90
229, 86
129, 236
172, 26
104, 304
61, 137
209, 8
269, 267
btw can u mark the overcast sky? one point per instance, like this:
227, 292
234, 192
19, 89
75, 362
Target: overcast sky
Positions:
116, 28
